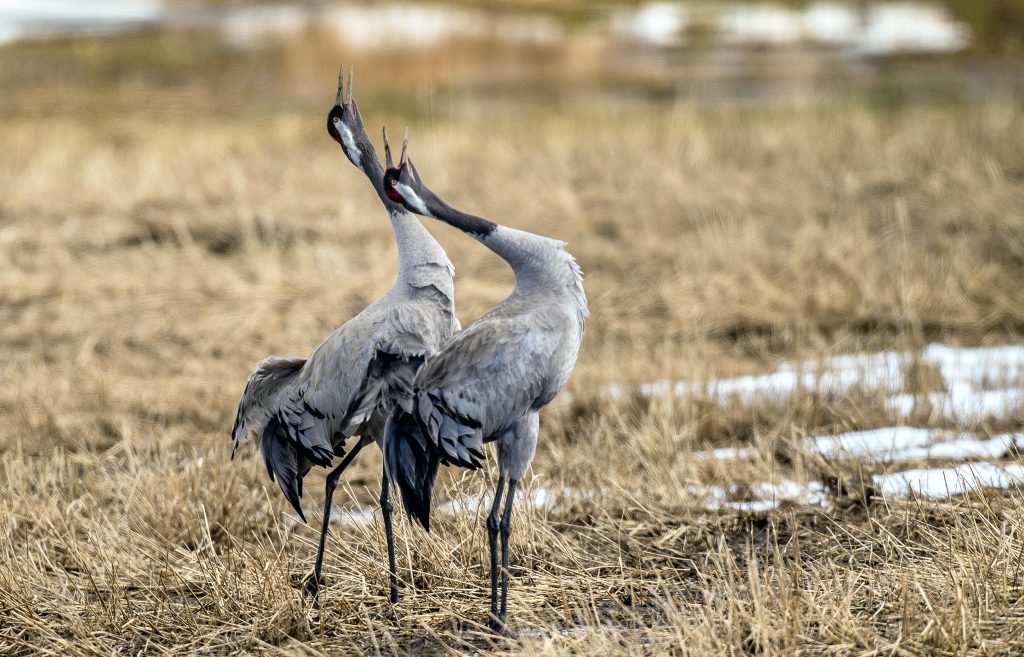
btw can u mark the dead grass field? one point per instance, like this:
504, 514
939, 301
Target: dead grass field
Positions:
147, 263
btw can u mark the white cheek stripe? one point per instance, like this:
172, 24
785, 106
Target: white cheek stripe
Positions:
350, 143
413, 199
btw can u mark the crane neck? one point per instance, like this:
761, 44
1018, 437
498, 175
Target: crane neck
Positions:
541, 265
417, 248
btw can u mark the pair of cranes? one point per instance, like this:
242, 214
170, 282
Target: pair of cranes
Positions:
402, 374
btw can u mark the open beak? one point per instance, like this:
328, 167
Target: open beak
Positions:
344, 96
389, 163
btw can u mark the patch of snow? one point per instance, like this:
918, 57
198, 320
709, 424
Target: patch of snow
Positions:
879, 29
248, 25
539, 497
339, 516
966, 372
912, 443
977, 365
910, 27
655, 23
830, 22
963, 402
933, 483
939, 483
760, 23
891, 444
726, 453
761, 497
414, 25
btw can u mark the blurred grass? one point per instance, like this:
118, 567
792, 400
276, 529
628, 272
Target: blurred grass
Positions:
188, 70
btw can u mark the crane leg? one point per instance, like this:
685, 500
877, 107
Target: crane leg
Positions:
506, 532
312, 584
492, 541
389, 532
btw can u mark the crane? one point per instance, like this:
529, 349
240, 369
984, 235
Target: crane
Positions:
304, 410
489, 381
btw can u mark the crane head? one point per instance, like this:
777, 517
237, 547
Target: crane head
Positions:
344, 124
402, 183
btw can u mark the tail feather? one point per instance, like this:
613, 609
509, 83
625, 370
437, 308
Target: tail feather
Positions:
412, 464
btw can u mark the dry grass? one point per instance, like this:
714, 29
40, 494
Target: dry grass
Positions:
145, 265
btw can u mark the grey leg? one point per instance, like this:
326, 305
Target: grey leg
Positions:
492, 541
506, 532
389, 532
312, 585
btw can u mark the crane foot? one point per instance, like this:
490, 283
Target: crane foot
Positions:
311, 589
499, 627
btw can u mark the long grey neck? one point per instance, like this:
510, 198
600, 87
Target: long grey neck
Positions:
539, 263
417, 248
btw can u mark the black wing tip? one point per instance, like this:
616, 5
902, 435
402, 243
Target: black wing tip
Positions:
424, 521
420, 510
284, 465
293, 492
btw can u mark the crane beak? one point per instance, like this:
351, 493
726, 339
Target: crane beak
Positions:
387, 150
405, 150
341, 85
344, 96
348, 92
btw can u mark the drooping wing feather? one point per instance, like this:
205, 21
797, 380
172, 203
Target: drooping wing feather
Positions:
261, 395
316, 411
347, 385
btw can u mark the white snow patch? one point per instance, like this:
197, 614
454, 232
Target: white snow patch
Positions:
892, 444
910, 27
878, 29
967, 376
939, 483
912, 443
760, 23
727, 453
412, 25
655, 23
761, 497
539, 497
977, 365
933, 483
962, 402
247, 25
339, 516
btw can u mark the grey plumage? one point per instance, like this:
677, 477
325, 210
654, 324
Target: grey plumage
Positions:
304, 410
262, 394
489, 381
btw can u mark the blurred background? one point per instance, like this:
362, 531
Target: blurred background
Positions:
184, 56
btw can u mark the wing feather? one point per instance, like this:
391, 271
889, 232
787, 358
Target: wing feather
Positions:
262, 393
